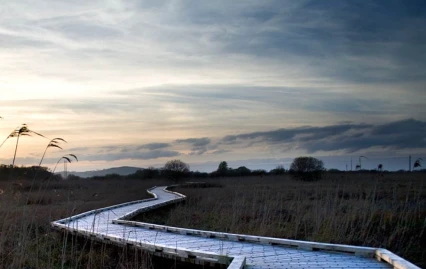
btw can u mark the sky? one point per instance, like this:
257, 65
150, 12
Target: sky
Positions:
254, 83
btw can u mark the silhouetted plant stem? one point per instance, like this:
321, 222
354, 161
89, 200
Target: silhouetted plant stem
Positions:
52, 143
12, 134
16, 149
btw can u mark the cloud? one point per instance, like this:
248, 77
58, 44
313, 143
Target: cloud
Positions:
196, 142
79, 149
154, 146
251, 61
404, 134
305, 40
154, 150
289, 135
220, 151
403, 127
198, 145
110, 149
110, 156
155, 154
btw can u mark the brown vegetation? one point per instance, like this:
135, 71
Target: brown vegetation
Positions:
365, 210
27, 241
368, 209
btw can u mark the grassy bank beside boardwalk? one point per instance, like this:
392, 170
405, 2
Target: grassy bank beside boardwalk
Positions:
386, 211
27, 240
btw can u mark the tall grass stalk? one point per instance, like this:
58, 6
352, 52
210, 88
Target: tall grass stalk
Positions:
12, 134
53, 143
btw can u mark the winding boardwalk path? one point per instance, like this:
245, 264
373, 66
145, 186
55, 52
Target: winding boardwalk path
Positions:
112, 225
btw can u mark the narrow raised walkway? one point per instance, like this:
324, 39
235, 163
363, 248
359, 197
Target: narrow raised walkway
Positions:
112, 225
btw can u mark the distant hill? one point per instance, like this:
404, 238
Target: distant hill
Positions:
123, 170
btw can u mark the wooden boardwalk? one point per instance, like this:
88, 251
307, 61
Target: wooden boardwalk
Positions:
112, 225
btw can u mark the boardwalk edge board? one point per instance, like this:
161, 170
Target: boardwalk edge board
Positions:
236, 262
155, 248
99, 210
305, 245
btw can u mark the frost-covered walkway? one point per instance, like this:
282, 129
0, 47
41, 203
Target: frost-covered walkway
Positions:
237, 251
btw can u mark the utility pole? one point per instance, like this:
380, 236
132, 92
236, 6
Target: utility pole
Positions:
351, 163
409, 163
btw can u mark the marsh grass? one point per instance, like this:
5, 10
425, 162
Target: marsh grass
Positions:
386, 211
27, 208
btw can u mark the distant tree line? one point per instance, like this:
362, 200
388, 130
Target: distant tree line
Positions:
302, 168
25, 172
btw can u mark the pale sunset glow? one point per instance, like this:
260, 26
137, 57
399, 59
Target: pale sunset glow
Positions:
253, 83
